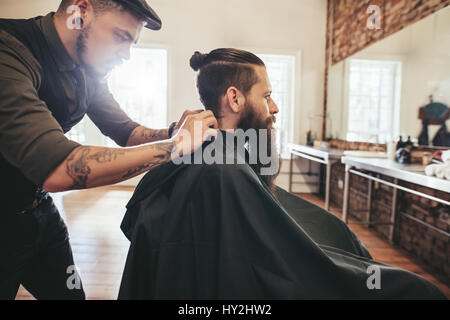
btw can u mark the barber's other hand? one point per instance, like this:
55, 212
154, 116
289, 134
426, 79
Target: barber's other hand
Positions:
183, 118
196, 128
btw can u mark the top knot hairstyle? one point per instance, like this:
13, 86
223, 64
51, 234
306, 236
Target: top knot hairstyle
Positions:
221, 69
198, 60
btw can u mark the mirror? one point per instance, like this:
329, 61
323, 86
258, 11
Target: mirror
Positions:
376, 94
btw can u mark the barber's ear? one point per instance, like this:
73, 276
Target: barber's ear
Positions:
236, 99
83, 5
85, 10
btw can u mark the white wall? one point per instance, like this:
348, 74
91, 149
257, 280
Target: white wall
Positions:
203, 25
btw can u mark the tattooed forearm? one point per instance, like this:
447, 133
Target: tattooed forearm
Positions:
142, 135
136, 171
81, 162
165, 148
154, 134
77, 165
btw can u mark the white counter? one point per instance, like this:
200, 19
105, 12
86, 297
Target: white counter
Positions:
411, 173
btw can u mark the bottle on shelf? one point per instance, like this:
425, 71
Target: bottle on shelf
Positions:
409, 142
400, 143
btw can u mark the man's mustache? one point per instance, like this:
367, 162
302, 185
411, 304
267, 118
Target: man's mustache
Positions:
115, 63
270, 121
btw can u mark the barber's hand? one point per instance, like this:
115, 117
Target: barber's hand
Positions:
183, 118
194, 131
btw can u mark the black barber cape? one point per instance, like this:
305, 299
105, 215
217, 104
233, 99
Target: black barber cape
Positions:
217, 232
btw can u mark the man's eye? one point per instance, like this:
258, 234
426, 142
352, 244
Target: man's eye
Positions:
120, 38
267, 98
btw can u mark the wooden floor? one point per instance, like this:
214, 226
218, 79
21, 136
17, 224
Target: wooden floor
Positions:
94, 216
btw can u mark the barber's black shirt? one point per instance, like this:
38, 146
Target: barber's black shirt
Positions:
32, 140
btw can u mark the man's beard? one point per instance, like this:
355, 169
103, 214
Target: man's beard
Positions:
81, 51
251, 120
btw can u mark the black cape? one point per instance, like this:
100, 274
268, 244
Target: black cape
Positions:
218, 232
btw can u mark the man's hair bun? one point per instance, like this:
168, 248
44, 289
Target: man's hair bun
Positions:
198, 60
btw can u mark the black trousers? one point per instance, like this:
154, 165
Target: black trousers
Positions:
35, 252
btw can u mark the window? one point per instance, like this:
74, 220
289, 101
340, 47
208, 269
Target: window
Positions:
140, 87
78, 133
373, 100
281, 71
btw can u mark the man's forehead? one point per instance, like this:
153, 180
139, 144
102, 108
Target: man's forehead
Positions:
123, 21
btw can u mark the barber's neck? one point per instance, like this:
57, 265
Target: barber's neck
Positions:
67, 36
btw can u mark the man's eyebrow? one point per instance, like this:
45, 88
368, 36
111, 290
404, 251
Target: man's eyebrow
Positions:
129, 36
268, 92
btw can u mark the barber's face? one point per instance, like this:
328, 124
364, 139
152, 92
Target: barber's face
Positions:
260, 109
105, 41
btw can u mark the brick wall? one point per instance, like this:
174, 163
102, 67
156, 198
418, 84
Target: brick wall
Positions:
427, 244
350, 33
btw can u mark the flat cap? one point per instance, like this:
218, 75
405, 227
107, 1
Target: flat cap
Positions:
142, 8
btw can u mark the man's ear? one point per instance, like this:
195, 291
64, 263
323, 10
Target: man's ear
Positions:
235, 99
85, 8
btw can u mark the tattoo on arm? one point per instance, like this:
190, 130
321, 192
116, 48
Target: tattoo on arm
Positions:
138, 170
78, 163
77, 166
165, 148
143, 135
77, 169
153, 134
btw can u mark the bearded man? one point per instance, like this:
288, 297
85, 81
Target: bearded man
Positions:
215, 226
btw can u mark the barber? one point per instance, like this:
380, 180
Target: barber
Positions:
52, 72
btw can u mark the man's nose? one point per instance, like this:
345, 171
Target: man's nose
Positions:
125, 52
274, 108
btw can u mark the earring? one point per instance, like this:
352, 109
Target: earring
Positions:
79, 21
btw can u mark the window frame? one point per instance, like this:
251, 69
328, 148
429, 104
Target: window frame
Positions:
167, 48
397, 91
